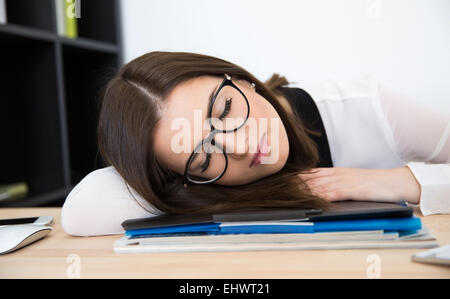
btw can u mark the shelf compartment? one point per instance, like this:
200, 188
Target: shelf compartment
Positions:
89, 44
98, 20
31, 13
50, 86
26, 32
29, 126
51, 198
86, 73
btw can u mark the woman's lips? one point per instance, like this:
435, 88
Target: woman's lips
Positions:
262, 151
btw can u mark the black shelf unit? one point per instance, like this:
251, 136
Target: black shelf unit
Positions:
50, 87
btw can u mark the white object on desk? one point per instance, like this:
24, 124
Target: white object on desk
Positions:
40, 220
439, 255
13, 237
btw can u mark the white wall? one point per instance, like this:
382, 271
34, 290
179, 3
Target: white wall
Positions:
405, 43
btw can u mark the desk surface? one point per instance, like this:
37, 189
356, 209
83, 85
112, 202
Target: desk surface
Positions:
60, 256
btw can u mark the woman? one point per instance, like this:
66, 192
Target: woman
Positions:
190, 133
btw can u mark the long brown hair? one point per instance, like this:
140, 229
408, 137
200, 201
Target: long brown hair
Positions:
130, 110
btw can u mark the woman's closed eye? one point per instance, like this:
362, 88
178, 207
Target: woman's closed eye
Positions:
205, 164
226, 109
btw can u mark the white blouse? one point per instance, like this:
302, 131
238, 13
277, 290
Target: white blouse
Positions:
367, 125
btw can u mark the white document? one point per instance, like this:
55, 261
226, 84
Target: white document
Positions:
288, 241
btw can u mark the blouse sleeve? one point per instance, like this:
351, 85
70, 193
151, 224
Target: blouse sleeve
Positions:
421, 136
99, 204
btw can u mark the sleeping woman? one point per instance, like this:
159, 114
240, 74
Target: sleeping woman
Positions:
186, 133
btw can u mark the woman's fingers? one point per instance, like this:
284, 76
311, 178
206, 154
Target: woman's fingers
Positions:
317, 172
338, 188
322, 182
339, 183
331, 183
323, 188
340, 194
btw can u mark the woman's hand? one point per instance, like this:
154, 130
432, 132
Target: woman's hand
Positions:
339, 183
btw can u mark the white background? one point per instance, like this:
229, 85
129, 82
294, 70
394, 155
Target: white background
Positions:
404, 43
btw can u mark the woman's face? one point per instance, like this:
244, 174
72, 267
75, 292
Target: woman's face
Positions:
257, 149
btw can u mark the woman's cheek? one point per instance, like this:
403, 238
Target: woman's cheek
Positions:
236, 175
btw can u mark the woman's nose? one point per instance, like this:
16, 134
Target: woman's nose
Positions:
234, 145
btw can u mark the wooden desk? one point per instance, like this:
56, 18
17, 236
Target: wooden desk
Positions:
56, 255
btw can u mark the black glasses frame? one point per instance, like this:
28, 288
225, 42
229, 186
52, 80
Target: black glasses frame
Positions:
210, 138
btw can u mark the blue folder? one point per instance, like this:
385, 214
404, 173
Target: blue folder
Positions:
204, 227
307, 227
393, 224
389, 224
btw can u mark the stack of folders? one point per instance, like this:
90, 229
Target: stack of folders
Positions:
347, 225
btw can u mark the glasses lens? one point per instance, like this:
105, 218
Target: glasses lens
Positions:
230, 109
207, 164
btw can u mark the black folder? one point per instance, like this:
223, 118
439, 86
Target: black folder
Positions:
345, 210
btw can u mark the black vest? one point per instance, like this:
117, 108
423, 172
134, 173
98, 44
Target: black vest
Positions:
306, 108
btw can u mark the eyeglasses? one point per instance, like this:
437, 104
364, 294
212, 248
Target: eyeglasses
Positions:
228, 112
